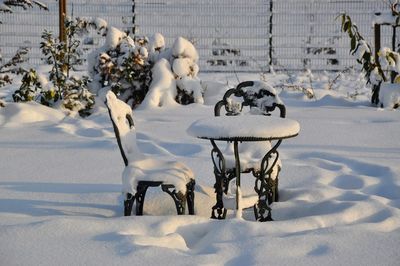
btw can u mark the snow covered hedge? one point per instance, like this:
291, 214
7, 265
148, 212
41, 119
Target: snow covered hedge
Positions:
144, 71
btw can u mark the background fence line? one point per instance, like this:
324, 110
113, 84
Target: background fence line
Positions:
230, 35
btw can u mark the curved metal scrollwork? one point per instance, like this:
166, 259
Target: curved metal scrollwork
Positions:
262, 100
179, 198
218, 210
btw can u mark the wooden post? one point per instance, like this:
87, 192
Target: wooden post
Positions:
62, 11
377, 36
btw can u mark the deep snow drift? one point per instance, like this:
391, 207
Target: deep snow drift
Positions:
60, 187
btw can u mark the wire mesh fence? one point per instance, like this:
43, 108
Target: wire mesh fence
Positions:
230, 35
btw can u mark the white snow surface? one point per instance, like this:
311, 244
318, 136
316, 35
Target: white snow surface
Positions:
60, 187
389, 95
244, 126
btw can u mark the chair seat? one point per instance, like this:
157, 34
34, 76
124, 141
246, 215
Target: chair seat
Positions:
156, 170
251, 155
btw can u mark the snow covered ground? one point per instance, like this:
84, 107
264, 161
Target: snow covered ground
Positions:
60, 183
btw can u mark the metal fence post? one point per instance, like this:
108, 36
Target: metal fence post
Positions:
377, 37
133, 18
270, 53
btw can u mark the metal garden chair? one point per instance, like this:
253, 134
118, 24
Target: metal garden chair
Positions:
142, 171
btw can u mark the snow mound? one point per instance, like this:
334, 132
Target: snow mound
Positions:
389, 95
20, 114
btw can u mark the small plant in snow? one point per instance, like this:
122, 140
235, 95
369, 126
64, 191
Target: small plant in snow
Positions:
12, 66
30, 89
78, 98
374, 70
63, 57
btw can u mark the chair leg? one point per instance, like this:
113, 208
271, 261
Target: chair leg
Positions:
128, 204
179, 198
190, 196
140, 195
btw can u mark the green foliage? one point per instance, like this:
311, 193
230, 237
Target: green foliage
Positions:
126, 69
374, 69
63, 57
78, 97
12, 66
359, 47
30, 88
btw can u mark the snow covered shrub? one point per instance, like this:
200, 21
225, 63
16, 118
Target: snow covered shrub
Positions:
175, 75
122, 65
185, 68
134, 67
375, 70
30, 88
12, 66
63, 57
78, 98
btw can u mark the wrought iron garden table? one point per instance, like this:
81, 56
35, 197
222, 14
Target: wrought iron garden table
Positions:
238, 129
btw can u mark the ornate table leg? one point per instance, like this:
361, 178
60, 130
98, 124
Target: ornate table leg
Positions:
263, 185
237, 173
262, 211
218, 210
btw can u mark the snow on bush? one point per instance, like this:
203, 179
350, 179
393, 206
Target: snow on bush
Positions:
70, 92
121, 65
162, 90
388, 60
182, 66
139, 68
389, 95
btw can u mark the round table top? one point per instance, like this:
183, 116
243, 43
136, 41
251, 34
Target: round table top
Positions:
244, 128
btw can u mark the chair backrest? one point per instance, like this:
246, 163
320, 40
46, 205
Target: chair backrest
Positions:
260, 97
122, 121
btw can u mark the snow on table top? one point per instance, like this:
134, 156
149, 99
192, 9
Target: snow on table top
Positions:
254, 127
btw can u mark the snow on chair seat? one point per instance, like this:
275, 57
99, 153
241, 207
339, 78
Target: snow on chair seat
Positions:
141, 171
259, 99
